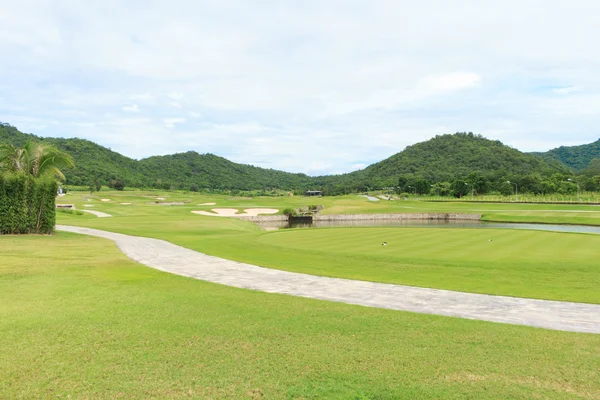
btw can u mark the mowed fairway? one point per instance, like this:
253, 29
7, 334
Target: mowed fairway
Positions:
533, 264
78, 319
546, 265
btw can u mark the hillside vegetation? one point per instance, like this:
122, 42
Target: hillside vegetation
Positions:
95, 163
447, 165
578, 158
448, 158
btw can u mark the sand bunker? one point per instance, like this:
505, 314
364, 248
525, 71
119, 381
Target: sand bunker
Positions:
232, 212
88, 205
125, 204
207, 204
160, 198
104, 199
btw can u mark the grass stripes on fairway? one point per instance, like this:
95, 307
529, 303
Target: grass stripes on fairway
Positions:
519, 263
77, 318
542, 265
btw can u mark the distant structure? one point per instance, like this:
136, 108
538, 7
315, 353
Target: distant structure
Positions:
313, 193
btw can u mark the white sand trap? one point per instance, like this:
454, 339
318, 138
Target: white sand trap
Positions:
233, 212
104, 199
88, 205
98, 214
253, 212
160, 198
207, 204
125, 204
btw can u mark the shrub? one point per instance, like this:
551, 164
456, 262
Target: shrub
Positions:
69, 211
289, 211
27, 204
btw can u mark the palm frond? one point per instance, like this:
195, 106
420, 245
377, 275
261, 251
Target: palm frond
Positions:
35, 159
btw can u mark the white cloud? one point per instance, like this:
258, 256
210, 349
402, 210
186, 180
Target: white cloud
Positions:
171, 122
568, 90
131, 108
144, 97
449, 82
176, 96
346, 86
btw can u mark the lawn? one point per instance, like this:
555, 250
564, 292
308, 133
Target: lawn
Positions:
78, 319
145, 203
546, 265
557, 266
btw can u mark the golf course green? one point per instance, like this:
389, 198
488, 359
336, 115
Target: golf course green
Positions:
80, 319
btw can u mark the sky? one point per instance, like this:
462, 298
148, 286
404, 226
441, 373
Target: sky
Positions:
317, 87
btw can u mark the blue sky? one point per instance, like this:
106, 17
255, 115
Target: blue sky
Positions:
305, 86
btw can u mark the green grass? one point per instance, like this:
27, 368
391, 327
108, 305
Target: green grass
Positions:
80, 320
557, 266
546, 265
143, 204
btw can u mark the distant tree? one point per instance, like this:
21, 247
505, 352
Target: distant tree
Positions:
118, 184
193, 187
441, 189
98, 185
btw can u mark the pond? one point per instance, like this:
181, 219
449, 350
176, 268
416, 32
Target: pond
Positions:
270, 226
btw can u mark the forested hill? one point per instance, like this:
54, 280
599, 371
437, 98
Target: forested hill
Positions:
211, 171
92, 161
446, 158
575, 157
97, 163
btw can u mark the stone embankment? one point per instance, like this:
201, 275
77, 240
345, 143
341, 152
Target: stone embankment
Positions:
397, 217
265, 218
372, 217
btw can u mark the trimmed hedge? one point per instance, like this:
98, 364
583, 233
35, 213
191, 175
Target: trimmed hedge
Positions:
27, 204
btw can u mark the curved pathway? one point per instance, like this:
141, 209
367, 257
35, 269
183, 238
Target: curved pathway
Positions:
98, 214
165, 256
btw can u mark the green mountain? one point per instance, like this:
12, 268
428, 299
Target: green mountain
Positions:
445, 158
210, 171
94, 162
575, 157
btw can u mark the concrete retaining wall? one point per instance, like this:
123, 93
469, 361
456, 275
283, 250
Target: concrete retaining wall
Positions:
371, 217
398, 217
265, 218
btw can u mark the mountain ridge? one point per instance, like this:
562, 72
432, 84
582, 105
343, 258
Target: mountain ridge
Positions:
443, 158
576, 157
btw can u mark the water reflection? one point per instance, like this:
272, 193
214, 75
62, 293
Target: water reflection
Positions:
272, 226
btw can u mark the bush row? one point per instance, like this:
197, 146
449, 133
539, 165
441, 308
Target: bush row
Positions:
27, 204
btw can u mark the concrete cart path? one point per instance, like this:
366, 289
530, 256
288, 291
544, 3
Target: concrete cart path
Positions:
165, 256
98, 214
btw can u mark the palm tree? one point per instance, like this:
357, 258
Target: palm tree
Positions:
35, 159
